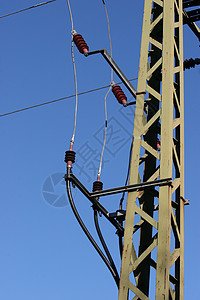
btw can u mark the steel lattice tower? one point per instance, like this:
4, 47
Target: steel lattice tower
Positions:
160, 91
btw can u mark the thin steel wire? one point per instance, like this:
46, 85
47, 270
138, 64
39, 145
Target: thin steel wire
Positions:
57, 100
24, 9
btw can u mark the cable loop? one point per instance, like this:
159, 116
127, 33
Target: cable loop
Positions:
106, 118
75, 77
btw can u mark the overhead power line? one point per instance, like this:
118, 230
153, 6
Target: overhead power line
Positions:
57, 100
24, 9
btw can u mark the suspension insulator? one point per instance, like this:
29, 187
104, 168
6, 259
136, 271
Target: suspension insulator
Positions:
97, 186
189, 63
80, 43
70, 158
119, 94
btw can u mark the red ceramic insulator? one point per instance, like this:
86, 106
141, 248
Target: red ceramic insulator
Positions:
119, 94
70, 158
158, 144
97, 186
80, 43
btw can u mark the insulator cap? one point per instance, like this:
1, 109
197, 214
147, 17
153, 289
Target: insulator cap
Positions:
70, 156
120, 215
97, 186
80, 43
119, 94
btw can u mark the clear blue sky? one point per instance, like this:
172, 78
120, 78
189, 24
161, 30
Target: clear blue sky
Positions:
43, 253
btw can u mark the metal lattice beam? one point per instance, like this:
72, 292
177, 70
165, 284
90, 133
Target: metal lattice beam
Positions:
160, 81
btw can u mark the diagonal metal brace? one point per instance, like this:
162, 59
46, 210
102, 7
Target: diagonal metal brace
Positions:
94, 200
191, 24
115, 68
94, 196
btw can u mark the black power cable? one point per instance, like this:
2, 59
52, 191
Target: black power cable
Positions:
96, 221
122, 199
105, 260
128, 173
120, 242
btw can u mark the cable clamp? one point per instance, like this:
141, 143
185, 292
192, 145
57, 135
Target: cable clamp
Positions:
140, 93
74, 32
186, 201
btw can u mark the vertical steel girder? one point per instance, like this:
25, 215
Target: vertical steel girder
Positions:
161, 240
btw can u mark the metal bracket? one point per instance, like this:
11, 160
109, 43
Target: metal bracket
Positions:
132, 188
190, 3
192, 25
69, 177
115, 68
94, 196
118, 215
186, 201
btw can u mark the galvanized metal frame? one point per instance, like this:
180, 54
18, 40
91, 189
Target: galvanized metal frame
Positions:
161, 81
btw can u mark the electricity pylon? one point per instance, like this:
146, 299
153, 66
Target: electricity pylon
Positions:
161, 226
